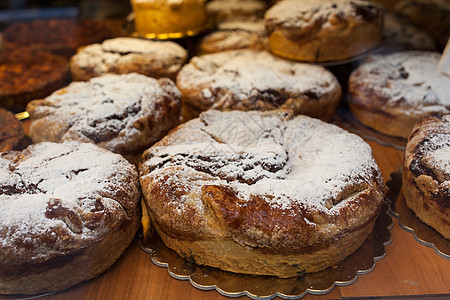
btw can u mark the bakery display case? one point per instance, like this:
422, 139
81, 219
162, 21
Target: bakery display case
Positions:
208, 149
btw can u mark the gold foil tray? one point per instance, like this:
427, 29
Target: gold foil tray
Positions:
267, 287
129, 29
423, 233
166, 36
345, 119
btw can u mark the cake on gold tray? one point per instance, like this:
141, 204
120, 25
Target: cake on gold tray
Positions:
266, 287
169, 19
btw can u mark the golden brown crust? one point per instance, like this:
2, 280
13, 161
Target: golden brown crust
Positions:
231, 256
63, 273
257, 80
220, 199
66, 221
389, 93
234, 35
321, 31
426, 172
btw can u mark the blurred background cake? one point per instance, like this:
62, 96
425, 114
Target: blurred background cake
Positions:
320, 31
176, 18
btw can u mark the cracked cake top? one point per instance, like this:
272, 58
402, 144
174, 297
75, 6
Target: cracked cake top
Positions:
288, 168
122, 113
57, 198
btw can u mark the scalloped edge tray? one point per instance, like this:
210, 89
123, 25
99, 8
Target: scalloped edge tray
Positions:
362, 261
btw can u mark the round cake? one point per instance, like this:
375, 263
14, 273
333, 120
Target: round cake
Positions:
262, 193
169, 18
426, 172
11, 131
234, 35
127, 55
322, 30
26, 75
67, 212
257, 80
60, 36
390, 93
122, 113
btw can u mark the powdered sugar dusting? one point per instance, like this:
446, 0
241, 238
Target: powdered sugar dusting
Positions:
106, 110
53, 182
436, 148
235, 76
123, 54
440, 159
295, 13
407, 79
301, 161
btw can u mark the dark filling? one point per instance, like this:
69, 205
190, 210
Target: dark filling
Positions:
101, 130
218, 165
417, 168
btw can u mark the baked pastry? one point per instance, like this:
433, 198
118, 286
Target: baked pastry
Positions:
60, 36
257, 80
234, 35
391, 92
426, 172
399, 36
122, 113
322, 30
11, 131
169, 18
68, 211
431, 15
26, 75
127, 55
244, 10
262, 193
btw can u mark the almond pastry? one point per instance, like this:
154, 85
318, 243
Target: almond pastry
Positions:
389, 93
262, 193
426, 172
257, 80
122, 113
323, 30
127, 55
67, 213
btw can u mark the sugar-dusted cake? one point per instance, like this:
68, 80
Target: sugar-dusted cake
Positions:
262, 193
